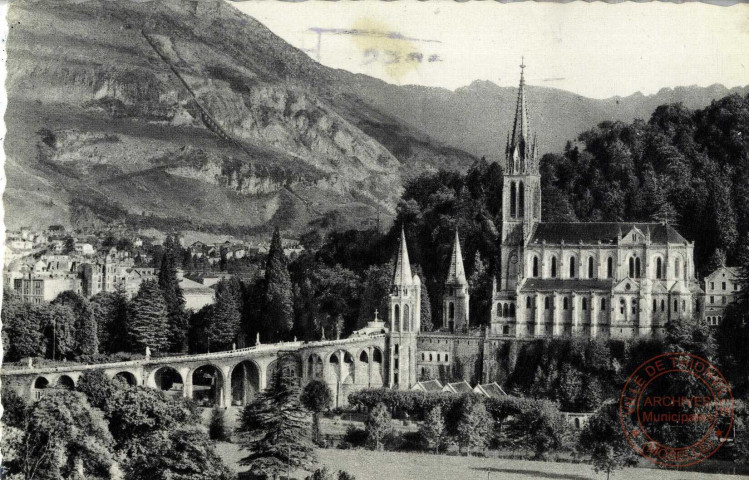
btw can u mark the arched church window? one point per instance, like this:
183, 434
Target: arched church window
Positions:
406, 319
631, 267
634, 306
505, 310
676, 305
659, 268
521, 200
528, 302
663, 305
451, 311
610, 268
622, 306
585, 303
535, 267
590, 267
655, 304
513, 199
565, 303
553, 267
677, 268
637, 268
603, 304
512, 309
572, 267
547, 303
397, 318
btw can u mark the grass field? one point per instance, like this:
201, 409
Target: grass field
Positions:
369, 465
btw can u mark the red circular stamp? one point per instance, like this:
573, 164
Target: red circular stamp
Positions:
676, 409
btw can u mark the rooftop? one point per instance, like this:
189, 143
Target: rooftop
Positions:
604, 232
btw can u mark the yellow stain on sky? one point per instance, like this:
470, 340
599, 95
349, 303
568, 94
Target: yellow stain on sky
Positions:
375, 39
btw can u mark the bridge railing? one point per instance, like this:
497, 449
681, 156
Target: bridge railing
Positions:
191, 357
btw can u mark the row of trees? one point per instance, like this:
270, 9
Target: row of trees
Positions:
106, 429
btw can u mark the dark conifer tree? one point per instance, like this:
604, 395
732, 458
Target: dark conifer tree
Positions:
225, 319
278, 293
173, 296
149, 319
86, 329
276, 428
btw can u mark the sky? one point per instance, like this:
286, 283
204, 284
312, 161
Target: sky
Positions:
594, 49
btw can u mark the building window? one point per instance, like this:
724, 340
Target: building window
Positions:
513, 199
634, 306
724, 300
572, 267
547, 303
430, 357
663, 305
610, 268
590, 267
451, 311
659, 268
637, 268
603, 304
677, 268
564, 303
712, 299
521, 200
676, 305
655, 305
535, 267
724, 285
585, 303
512, 310
712, 285
622, 306
553, 267
528, 302
445, 357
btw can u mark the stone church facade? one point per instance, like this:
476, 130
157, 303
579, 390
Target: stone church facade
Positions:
591, 279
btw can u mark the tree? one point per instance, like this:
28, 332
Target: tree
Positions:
173, 296
148, 319
278, 294
217, 427
433, 429
86, 329
99, 389
275, 428
539, 425
316, 397
180, 453
474, 426
603, 440
68, 246
374, 297
64, 438
717, 260
111, 312
58, 326
22, 332
225, 318
378, 425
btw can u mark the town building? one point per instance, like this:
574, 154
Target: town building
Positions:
721, 288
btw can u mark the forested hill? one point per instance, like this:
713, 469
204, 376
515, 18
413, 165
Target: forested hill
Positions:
687, 167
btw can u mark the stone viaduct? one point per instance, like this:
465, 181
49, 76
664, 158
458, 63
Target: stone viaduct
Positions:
228, 378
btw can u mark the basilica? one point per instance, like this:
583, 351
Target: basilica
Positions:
592, 279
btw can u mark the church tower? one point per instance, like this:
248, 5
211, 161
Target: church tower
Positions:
405, 320
521, 209
455, 298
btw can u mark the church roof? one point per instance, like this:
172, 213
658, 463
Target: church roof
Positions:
456, 274
605, 232
402, 273
428, 386
558, 284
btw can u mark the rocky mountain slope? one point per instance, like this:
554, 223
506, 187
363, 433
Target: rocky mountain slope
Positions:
189, 114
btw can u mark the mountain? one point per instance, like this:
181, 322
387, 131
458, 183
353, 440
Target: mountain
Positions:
187, 114
477, 118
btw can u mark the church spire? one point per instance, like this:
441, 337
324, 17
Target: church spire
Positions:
402, 274
457, 274
521, 153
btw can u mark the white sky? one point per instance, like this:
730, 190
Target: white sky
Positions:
594, 49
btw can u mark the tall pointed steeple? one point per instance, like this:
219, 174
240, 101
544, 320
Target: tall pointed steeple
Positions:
521, 156
456, 275
402, 274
